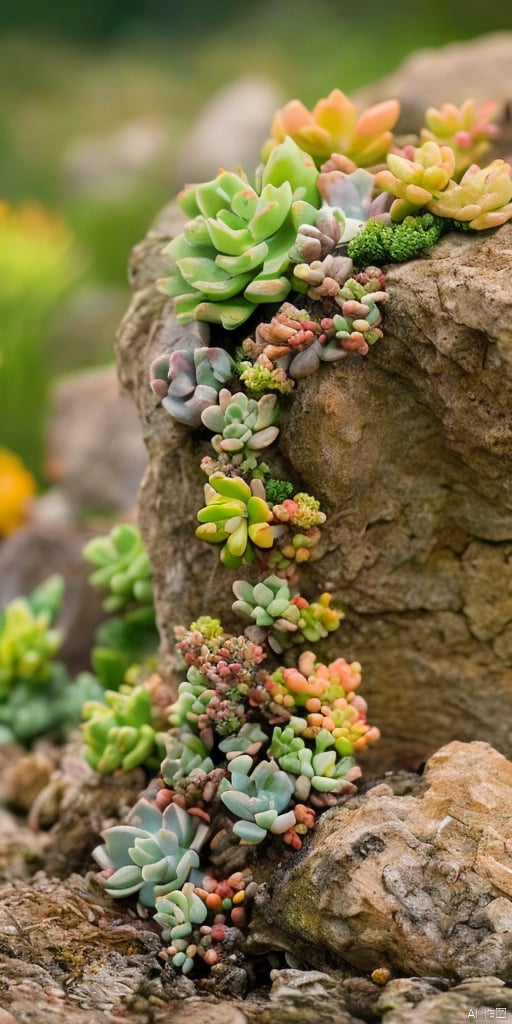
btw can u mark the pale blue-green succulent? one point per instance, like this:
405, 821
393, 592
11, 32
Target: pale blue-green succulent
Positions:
153, 854
259, 798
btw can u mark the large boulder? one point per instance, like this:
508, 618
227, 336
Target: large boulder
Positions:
418, 881
409, 451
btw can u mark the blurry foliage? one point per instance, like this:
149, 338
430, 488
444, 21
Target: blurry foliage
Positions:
37, 265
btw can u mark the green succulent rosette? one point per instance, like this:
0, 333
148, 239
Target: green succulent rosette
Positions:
234, 251
235, 517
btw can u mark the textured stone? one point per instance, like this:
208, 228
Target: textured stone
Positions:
409, 452
414, 1001
419, 883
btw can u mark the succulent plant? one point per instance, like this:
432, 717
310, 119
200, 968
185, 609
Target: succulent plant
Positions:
482, 199
153, 854
258, 798
31, 709
333, 126
27, 641
259, 379
36, 693
467, 129
248, 740
302, 511
194, 694
394, 243
349, 198
277, 491
416, 176
186, 753
189, 381
242, 426
177, 913
119, 731
317, 766
236, 516
327, 693
122, 568
234, 252
17, 487
281, 618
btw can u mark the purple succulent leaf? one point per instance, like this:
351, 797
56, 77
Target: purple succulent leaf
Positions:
181, 386
159, 387
182, 362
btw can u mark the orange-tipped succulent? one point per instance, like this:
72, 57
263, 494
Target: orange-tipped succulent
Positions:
334, 126
416, 176
467, 129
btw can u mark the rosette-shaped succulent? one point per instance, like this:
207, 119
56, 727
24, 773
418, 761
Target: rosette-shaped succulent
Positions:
194, 694
317, 766
349, 198
189, 381
258, 798
177, 914
248, 740
17, 487
186, 753
416, 176
394, 243
280, 618
467, 129
153, 854
237, 516
119, 731
334, 126
482, 199
122, 568
243, 426
234, 252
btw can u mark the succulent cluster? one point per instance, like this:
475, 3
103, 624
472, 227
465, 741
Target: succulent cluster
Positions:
263, 734
36, 693
121, 730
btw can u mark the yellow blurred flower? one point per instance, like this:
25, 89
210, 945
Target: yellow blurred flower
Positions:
17, 486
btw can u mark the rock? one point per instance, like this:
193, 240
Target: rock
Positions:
409, 452
29, 556
420, 884
477, 68
411, 1001
230, 130
102, 468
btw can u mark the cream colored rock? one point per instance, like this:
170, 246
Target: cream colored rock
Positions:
419, 883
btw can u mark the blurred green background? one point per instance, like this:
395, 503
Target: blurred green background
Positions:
86, 86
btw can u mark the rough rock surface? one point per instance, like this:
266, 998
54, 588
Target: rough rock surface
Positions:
419, 883
479, 68
418, 1001
410, 452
